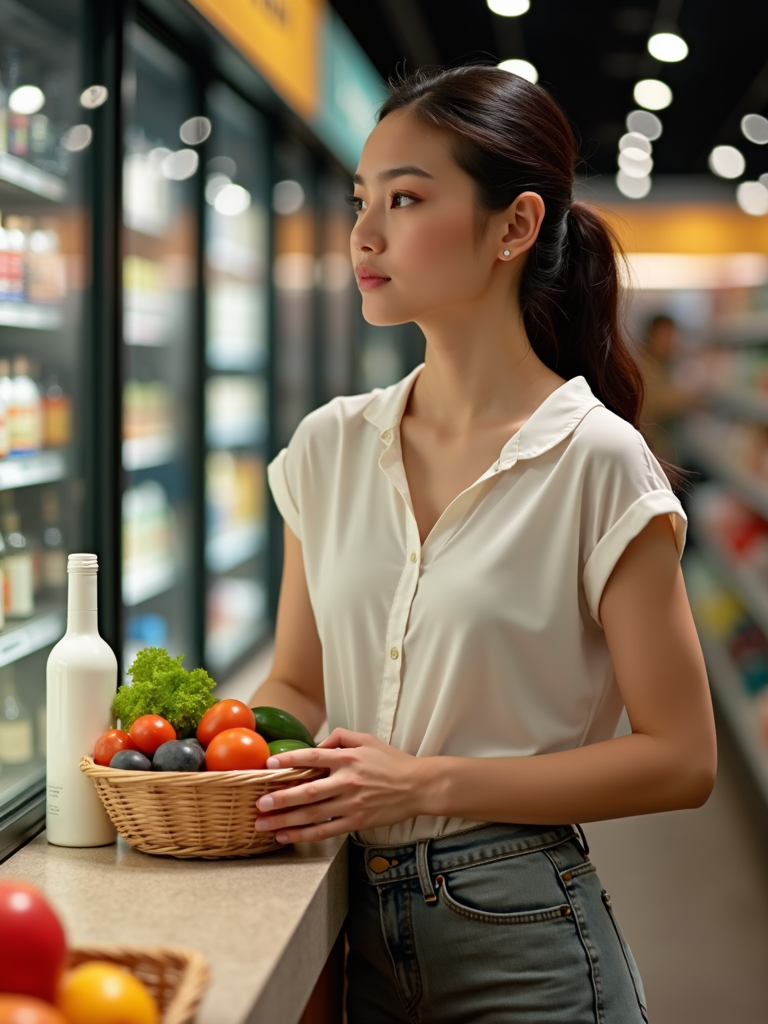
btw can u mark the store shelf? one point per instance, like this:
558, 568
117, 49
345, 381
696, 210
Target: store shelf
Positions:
19, 639
227, 549
231, 434
744, 329
749, 586
225, 646
736, 705
28, 470
751, 490
147, 452
149, 581
29, 315
741, 404
31, 179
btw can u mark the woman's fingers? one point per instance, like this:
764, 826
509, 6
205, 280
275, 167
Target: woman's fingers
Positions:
308, 814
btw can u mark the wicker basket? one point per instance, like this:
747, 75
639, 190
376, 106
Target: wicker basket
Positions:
176, 978
192, 814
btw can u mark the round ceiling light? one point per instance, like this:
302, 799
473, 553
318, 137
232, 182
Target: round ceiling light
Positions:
195, 130
509, 8
645, 123
634, 140
635, 163
633, 188
755, 128
752, 197
668, 46
523, 68
27, 99
652, 94
727, 162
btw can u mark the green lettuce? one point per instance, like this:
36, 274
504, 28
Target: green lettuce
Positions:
162, 686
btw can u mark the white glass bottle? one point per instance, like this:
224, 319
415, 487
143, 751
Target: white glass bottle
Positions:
82, 681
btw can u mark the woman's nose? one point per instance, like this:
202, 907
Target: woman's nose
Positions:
365, 238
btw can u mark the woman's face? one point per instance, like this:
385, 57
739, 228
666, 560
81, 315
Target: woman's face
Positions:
415, 246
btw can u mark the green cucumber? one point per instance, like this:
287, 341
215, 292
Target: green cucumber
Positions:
276, 724
283, 746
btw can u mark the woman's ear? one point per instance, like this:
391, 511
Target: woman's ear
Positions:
523, 223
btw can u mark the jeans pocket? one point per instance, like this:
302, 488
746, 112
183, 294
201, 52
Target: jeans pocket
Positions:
637, 981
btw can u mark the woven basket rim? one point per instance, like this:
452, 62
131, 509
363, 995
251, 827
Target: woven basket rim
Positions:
90, 768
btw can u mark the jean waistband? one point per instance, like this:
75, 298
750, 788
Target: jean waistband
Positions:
425, 857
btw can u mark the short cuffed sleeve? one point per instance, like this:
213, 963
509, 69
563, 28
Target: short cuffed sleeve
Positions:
626, 488
277, 475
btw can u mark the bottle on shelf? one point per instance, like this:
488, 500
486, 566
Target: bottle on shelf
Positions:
6, 397
5, 426
54, 556
19, 589
16, 734
57, 415
81, 684
25, 410
12, 263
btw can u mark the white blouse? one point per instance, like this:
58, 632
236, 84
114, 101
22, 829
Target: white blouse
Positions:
486, 640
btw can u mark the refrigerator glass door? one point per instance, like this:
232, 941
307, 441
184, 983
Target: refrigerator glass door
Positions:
159, 296
45, 136
236, 395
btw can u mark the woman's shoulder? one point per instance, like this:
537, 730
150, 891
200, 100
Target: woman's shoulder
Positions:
608, 445
337, 421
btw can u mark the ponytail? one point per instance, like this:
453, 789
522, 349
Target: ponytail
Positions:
511, 137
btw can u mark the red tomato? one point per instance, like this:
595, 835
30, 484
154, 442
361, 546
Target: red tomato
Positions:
26, 1010
225, 714
150, 731
32, 944
236, 749
108, 744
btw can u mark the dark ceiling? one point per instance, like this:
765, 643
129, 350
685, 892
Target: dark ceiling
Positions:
589, 54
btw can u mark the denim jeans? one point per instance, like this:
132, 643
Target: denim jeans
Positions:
498, 923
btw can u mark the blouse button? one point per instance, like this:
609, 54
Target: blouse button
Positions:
387, 435
394, 653
414, 557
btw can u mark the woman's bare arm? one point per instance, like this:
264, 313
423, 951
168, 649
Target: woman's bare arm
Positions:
295, 681
669, 761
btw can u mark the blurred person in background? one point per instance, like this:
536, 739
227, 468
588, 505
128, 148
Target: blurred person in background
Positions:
481, 570
666, 398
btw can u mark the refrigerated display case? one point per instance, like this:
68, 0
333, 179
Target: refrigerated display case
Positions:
237, 177
43, 274
159, 300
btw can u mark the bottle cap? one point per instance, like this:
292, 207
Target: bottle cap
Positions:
82, 563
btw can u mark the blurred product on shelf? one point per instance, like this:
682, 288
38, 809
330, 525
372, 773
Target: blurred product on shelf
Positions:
146, 629
26, 420
235, 490
728, 523
57, 415
31, 267
740, 446
16, 734
17, 566
11, 262
236, 619
235, 409
668, 394
145, 301
148, 529
147, 410
53, 551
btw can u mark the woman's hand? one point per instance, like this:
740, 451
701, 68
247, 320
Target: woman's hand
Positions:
370, 784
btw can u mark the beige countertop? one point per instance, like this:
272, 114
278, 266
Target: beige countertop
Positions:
266, 924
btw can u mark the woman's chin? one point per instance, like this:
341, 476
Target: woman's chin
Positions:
377, 314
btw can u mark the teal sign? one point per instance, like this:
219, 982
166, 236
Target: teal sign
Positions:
352, 92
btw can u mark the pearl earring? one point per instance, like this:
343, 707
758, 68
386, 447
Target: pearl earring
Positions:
506, 252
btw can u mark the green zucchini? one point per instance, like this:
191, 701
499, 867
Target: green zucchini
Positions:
283, 746
276, 724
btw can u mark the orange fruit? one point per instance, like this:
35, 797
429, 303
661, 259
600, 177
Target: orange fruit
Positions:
28, 1010
97, 992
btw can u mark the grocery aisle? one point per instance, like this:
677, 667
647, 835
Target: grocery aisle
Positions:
691, 893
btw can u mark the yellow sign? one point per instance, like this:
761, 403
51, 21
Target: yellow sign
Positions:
283, 38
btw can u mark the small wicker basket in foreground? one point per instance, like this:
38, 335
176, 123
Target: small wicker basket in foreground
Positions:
192, 814
176, 978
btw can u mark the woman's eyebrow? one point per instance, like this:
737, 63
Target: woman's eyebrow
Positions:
395, 172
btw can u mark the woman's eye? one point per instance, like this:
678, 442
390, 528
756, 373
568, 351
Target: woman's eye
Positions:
356, 203
399, 200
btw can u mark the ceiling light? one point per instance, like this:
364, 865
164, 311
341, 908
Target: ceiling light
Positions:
645, 123
195, 130
634, 140
523, 68
752, 197
94, 96
287, 197
763, 179
652, 94
633, 188
639, 166
232, 200
78, 138
667, 46
509, 8
727, 162
27, 99
755, 128
180, 165
214, 184
672, 270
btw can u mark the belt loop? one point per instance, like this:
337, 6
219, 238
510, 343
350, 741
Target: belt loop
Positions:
582, 839
422, 866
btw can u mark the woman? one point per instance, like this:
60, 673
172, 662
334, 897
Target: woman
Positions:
481, 569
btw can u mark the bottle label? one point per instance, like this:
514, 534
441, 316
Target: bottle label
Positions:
16, 742
19, 586
24, 429
54, 798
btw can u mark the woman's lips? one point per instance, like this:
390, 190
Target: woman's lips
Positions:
368, 279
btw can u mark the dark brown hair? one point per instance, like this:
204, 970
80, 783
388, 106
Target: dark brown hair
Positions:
511, 137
